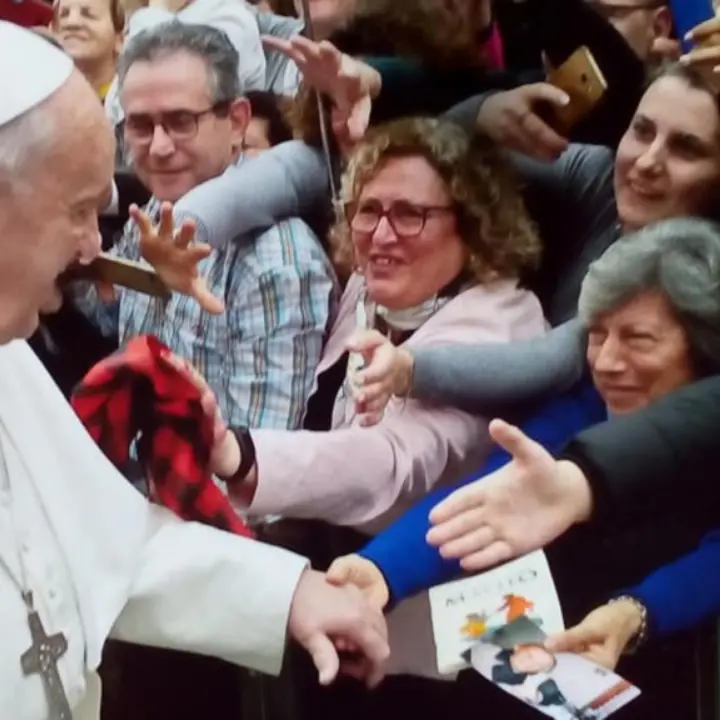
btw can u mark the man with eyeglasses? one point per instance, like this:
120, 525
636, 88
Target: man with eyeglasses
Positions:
647, 25
185, 124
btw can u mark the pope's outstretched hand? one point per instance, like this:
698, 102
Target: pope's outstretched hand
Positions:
519, 508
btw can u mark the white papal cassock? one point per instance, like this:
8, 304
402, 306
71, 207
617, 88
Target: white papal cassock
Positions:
104, 563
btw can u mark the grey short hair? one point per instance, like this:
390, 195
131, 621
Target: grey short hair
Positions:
679, 258
211, 45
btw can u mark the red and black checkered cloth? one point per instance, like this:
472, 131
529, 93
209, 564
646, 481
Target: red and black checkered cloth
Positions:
136, 394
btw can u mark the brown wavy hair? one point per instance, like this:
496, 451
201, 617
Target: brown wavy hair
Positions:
492, 220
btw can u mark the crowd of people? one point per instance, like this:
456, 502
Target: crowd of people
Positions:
422, 327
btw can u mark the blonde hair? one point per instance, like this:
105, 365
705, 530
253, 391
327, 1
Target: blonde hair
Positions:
492, 221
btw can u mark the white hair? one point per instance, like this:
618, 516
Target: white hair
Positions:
24, 141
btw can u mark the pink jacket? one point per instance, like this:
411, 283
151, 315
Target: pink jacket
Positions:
356, 476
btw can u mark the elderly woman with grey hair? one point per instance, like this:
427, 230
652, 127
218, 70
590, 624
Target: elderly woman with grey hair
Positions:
651, 305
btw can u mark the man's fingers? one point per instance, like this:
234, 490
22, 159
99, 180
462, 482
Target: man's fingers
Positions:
494, 554
324, 656
186, 234
543, 135
165, 227
513, 440
207, 300
283, 46
545, 92
456, 526
464, 499
197, 253
472, 541
142, 220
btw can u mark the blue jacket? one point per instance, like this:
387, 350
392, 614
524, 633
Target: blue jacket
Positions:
401, 553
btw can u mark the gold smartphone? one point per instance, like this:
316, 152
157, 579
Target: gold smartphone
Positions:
581, 78
118, 271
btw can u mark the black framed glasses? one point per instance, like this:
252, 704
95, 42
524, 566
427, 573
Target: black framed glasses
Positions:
178, 125
406, 219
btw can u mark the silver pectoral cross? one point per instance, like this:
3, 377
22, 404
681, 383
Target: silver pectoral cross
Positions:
41, 658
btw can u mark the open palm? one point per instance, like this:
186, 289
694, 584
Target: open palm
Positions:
175, 257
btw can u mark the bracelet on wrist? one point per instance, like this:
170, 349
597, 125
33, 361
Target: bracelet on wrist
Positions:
247, 456
640, 636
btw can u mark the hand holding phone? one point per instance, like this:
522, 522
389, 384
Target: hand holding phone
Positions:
582, 80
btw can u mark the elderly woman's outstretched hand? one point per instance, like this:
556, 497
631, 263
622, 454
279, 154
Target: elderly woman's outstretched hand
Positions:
519, 508
387, 371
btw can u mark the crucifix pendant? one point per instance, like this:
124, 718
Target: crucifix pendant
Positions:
41, 658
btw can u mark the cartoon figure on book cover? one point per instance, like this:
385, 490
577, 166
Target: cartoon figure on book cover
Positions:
513, 607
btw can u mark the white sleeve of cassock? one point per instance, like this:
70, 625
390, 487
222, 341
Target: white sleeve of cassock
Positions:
209, 592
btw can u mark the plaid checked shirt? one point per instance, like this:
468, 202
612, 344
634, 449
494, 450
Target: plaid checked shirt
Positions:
260, 356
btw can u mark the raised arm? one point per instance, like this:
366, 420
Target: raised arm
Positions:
565, 25
286, 181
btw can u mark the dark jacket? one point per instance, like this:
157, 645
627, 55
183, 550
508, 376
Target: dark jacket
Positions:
654, 478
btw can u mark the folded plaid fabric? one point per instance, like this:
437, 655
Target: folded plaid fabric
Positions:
136, 395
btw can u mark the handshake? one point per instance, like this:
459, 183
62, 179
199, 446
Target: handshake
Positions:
338, 619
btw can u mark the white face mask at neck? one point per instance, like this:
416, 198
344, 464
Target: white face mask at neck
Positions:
411, 318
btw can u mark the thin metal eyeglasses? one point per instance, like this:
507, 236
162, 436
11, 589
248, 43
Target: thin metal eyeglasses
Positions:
178, 125
406, 219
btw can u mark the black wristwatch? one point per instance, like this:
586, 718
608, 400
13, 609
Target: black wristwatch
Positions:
247, 456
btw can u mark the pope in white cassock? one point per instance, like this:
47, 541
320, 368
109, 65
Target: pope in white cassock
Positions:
83, 556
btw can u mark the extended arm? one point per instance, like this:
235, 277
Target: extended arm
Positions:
236, 611
501, 376
288, 180
401, 552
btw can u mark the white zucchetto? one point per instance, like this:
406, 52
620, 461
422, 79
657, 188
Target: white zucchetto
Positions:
31, 70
